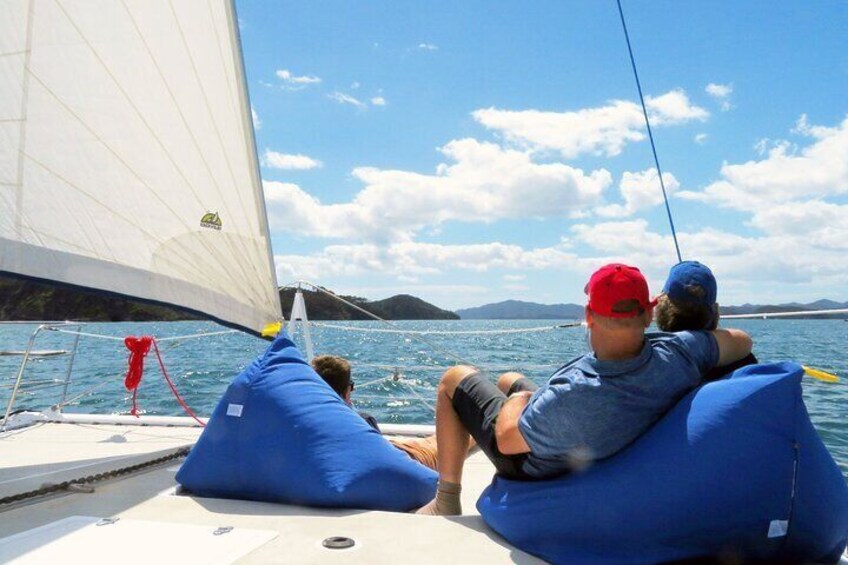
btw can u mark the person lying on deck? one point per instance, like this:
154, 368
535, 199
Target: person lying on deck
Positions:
336, 372
592, 407
688, 302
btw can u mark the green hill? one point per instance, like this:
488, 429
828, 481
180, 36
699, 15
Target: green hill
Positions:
319, 306
25, 300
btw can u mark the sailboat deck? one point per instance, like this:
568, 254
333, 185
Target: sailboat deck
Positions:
280, 532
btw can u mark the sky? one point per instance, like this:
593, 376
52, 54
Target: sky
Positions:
473, 152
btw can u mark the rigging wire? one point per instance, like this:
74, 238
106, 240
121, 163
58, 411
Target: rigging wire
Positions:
420, 338
445, 332
650, 133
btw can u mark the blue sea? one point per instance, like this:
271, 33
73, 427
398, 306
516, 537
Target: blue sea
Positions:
395, 374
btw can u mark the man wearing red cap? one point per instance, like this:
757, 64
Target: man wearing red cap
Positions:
591, 408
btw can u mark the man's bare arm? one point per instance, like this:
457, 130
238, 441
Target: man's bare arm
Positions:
733, 345
507, 434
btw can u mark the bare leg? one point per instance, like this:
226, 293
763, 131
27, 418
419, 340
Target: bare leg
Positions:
506, 380
451, 436
452, 439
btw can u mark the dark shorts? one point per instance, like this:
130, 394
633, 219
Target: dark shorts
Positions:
478, 402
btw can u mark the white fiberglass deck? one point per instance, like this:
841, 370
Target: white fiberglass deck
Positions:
145, 502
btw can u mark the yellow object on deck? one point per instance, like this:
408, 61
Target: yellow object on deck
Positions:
820, 375
272, 329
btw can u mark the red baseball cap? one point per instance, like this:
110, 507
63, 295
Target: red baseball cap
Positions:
614, 283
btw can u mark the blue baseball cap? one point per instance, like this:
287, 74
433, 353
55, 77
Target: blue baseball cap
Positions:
691, 282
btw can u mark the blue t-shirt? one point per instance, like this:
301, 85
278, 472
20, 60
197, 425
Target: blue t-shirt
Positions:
591, 409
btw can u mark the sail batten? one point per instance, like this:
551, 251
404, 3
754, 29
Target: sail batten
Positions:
127, 163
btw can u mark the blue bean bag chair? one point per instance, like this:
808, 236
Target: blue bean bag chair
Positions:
281, 434
735, 469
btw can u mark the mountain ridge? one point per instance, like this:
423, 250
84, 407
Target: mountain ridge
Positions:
517, 309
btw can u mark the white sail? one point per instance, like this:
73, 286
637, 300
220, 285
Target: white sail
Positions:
127, 158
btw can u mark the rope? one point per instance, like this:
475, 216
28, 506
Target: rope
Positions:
650, 133
420, 398
438, 332
378, 381
139, 347
114, 338
379, 319
173, 388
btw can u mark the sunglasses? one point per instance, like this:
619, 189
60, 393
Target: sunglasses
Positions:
352, 384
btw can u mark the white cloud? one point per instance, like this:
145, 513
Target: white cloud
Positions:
274, 160
740, 263
514, 278
599, 131
343, 98
288, 77
820, 223
354, 85
483, 182
721, 92
784, 175
640, 190
378, 101
744, 266
291, 209
700, 138
673, 107
257, 123
418, 259
427, 47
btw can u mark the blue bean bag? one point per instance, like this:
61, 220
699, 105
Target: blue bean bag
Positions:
281, 434
735, 469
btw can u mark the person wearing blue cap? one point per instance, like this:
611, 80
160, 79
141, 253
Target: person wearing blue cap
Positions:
688, 299
688, 303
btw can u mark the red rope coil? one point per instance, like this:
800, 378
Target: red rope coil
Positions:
139, 347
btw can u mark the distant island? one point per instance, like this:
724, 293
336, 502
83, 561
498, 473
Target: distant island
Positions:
319, 306
518, 310
26, 300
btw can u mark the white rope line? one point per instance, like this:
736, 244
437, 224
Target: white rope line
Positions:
376, 381
160, 340
86, 334
436, 332
376, 398
419, 397
784, 314
207, 334
83, 393
387, 322
515, 367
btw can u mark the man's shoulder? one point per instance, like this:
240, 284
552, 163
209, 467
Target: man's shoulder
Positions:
577, 368
697, 346
685, 338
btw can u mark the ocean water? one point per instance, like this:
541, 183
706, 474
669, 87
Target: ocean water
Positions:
395, 374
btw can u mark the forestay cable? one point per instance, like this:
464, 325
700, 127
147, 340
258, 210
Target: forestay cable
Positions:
445, 332
650, 134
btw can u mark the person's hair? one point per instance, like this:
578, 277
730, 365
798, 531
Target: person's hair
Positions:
334, 370
675, 316
636, 320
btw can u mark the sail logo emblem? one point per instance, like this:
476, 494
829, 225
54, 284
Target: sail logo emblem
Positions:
211, 220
